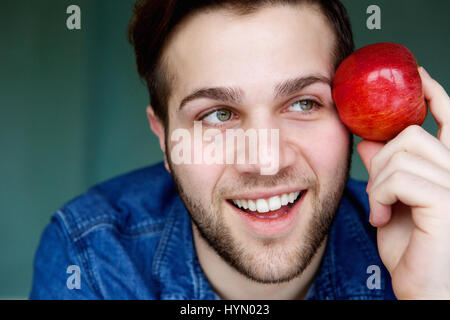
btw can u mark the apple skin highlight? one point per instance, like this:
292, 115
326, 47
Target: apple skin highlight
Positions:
378, 91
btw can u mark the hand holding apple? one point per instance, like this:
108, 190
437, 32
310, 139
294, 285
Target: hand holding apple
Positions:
378, 91
409, 196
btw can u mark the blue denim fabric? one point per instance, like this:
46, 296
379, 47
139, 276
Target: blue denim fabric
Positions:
131, 237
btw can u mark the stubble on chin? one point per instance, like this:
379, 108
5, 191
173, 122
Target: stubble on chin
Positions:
269, 260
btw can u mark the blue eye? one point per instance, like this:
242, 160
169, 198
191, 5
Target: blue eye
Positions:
303, 105
218, 116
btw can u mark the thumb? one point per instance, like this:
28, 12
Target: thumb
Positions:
367, 149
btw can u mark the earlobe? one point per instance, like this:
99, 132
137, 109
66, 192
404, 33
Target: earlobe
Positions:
166, 164
156, 126
158, 129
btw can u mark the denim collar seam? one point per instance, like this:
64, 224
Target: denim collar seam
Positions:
161, 254
197, 285
163, 243
83, 254
355, 226
78, 231
333, 288
196, 279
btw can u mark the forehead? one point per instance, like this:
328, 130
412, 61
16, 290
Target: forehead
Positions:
219, 48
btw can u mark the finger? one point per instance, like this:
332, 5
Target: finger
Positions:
407, 188
415, 140
367, 149
439, 104
412, 163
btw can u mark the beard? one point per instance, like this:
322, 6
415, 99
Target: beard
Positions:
268, 261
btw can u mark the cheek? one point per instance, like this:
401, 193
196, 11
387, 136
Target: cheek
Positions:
198, 180
201, 179
327, 152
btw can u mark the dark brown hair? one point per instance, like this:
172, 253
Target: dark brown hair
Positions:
153, 22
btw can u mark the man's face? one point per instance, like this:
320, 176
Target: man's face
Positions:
254, 54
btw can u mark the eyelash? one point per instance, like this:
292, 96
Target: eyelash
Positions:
204, 115
316, 105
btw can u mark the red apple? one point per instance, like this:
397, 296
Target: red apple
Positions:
378, 91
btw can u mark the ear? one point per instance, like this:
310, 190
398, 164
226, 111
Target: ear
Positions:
158, 128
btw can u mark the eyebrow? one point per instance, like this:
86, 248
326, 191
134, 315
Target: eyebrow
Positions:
234, 95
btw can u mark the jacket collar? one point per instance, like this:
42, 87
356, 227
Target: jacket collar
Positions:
351, 249
176, 267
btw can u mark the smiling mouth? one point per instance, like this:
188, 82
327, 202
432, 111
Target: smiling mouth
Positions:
270, 208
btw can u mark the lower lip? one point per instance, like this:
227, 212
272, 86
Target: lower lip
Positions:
270, 227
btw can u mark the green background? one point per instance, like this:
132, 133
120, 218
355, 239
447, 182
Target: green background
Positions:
72, 107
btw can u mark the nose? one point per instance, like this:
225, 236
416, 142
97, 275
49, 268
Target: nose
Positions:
267, 154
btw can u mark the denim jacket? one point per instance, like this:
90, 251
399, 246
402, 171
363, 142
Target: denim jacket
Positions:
131, 238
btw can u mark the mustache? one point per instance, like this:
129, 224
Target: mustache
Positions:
249, 181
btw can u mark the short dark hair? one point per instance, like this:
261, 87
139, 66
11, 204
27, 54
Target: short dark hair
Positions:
154, 20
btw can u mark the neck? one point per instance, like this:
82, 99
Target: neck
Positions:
225, 280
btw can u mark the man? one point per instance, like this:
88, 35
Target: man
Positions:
229, 230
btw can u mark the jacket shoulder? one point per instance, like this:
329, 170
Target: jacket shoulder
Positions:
133, 203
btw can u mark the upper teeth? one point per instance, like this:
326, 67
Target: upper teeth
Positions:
266, 205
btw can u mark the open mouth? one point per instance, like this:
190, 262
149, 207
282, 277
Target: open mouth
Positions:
270, 208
